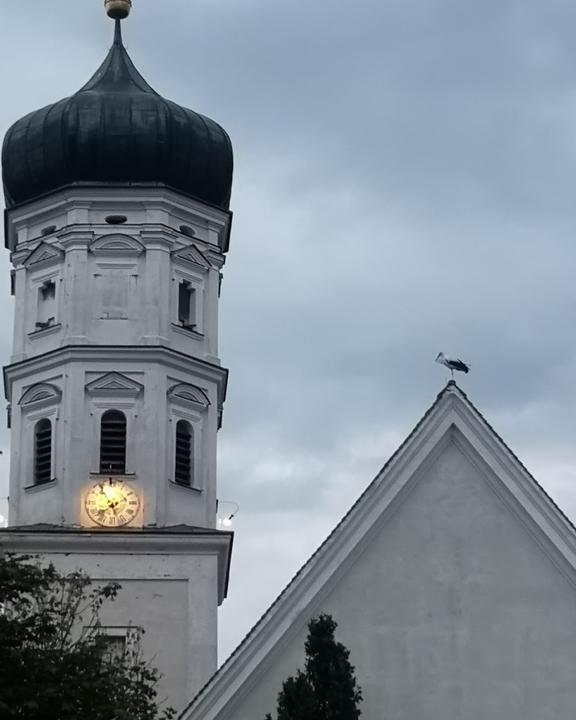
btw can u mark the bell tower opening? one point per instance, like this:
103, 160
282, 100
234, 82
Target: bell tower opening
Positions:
42, 452
113, 443
184, 449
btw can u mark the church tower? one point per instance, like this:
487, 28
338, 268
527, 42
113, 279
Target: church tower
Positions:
118, 223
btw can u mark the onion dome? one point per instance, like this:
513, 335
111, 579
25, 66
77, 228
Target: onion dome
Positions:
117, 129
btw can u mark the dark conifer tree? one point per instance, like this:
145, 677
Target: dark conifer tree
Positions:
327, 688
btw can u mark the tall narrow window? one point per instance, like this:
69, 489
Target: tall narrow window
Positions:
42, 452
184, 437
113, 443
46, 315
186, 305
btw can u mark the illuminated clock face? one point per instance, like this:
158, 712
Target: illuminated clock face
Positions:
112, 504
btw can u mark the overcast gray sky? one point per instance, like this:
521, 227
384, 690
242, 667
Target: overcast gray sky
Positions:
405, 184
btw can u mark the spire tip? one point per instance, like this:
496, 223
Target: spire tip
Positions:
118, 9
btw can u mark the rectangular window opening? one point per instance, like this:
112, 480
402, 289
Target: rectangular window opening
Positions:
186, 305
184, 454
48, 290
114, 647
43, 452
46, 315
120, 643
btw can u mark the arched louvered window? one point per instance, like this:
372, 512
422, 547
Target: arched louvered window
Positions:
113, 443
184, 438
42, 452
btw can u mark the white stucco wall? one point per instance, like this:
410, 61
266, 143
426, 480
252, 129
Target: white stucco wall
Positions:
115, 311
170, 587
116, 284
151, 425
452, 611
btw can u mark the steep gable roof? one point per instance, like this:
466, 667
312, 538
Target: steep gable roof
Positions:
451, 415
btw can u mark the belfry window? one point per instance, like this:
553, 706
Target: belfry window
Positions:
186, 305
42, 452
46, 316
113, 443
184, 453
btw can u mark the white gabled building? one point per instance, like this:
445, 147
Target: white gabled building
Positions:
453, 580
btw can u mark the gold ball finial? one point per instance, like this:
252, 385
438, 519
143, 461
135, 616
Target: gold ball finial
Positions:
118, 9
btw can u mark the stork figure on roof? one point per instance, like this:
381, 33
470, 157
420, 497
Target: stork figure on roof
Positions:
452, 363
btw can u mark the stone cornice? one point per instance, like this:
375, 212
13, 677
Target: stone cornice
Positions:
142, 542
76, 237
89, 197
118, 353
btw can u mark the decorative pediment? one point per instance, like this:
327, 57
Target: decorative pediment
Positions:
191, 255
116, 245
40, 394
43, 255
188, 395
114, 384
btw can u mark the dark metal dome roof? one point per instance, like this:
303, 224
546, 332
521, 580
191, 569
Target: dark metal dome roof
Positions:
117, 129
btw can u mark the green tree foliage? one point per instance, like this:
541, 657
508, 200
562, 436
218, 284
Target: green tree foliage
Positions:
327, 688
55, 663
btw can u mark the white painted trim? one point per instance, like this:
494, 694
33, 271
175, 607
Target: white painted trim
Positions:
43, 332
198, 282
124, 542
116, 245
44, 255
188, 395
80, 203
114, 384
190, 255
94, 354
40, 395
